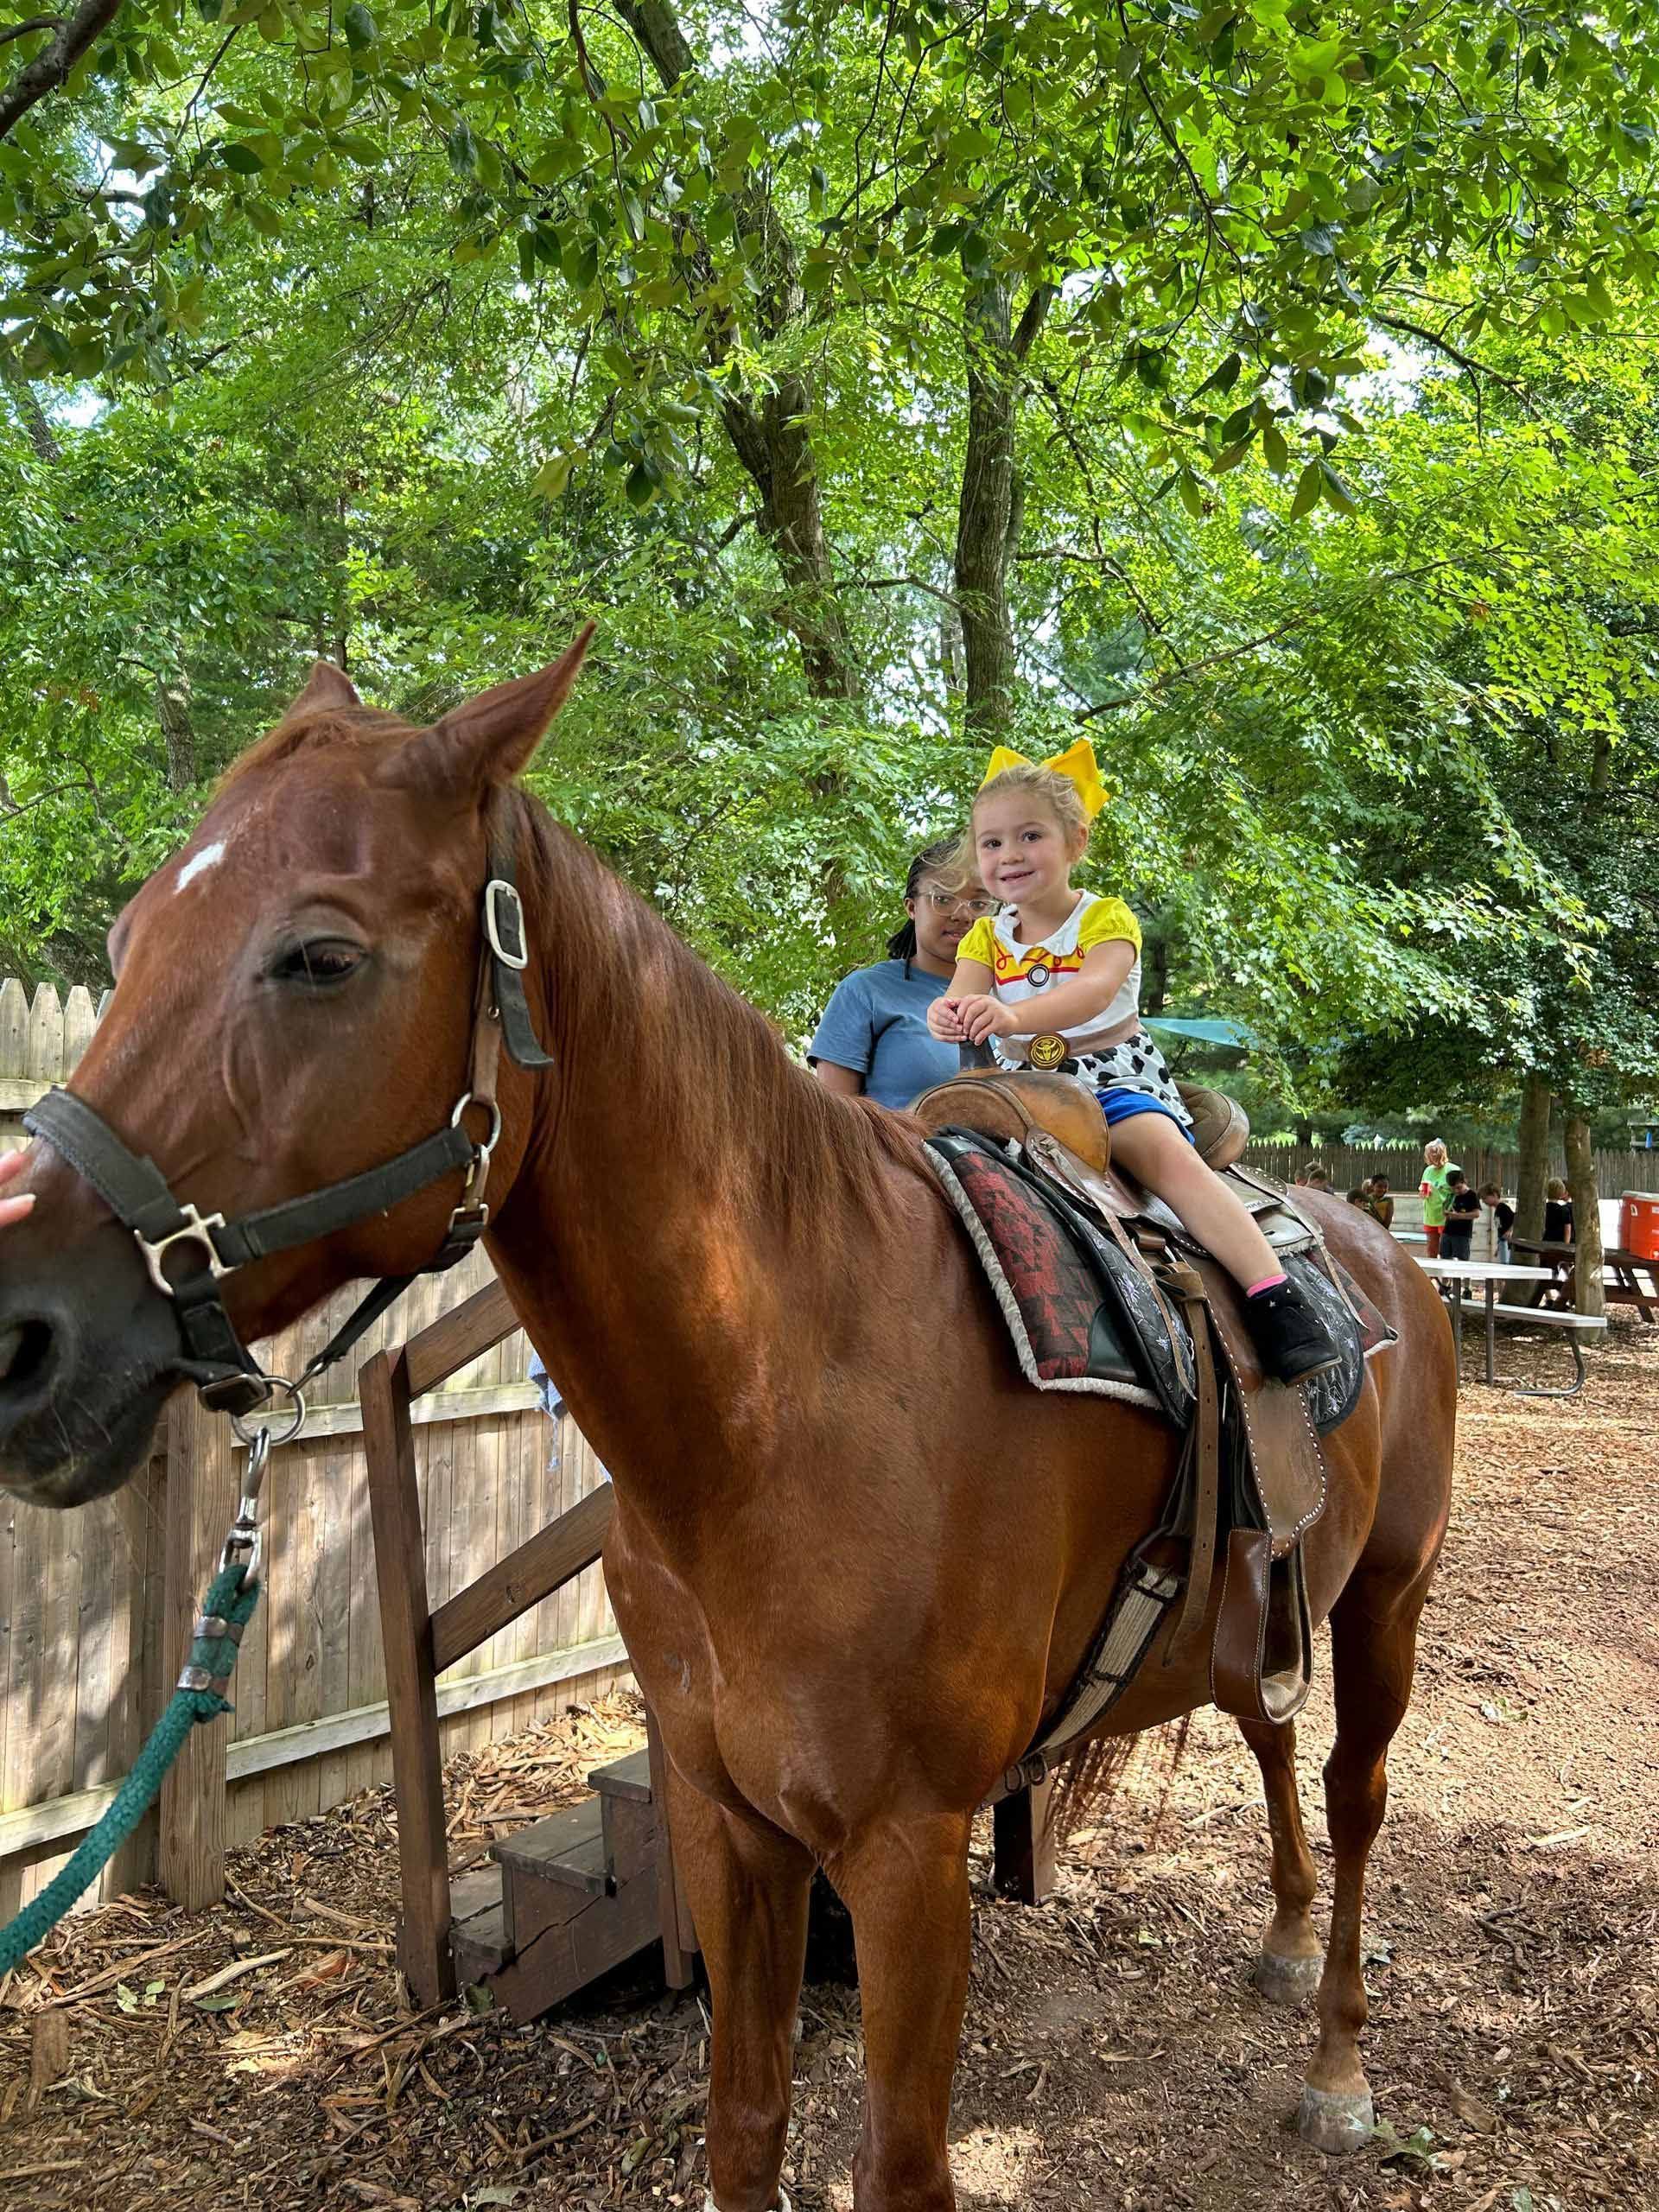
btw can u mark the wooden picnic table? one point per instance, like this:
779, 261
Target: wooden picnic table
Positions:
1459, 1274
1622, 1271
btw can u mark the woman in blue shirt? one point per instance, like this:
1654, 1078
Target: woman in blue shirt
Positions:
873, 1036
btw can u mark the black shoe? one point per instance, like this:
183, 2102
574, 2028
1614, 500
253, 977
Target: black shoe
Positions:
1291, 1341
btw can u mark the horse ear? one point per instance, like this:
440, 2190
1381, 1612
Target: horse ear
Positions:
326, 686
492, 737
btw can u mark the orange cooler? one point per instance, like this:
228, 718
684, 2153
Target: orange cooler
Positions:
1641, 1231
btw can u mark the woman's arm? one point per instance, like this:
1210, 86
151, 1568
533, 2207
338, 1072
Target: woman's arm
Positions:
843, 1044
846, 1083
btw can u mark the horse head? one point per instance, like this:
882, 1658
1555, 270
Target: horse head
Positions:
296, 999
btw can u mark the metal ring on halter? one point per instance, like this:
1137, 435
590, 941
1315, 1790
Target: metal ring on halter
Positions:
296, 1418
494, 1137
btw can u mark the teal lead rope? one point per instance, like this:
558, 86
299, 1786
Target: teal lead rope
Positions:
225, 1611
228, 1609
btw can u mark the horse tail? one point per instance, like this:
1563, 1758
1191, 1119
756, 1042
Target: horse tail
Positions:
1087, 1779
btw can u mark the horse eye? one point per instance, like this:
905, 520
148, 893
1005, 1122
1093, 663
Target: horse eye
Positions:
323, 960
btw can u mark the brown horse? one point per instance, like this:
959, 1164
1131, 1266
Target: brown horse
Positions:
855, 1559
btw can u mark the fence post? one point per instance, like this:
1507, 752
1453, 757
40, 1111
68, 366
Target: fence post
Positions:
200, 1502
424, 1950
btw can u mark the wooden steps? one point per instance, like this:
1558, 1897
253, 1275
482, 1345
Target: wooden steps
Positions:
572, 1896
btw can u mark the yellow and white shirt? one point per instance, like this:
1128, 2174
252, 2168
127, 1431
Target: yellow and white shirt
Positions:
1020, 972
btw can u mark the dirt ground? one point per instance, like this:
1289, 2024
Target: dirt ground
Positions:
1113, 2056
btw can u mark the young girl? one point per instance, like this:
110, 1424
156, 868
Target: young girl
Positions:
1079, 956
1436, 1192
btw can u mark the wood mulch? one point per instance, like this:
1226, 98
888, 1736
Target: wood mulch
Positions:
1114, 2055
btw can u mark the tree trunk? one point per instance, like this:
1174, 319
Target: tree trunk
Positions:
991, 502
773, 443
1535, 1158
173, 710
40, 433
951, 661
984, 508
771, 436
1154, 969
1586, 1212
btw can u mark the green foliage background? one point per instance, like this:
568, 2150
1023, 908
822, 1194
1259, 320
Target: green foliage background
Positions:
414, 335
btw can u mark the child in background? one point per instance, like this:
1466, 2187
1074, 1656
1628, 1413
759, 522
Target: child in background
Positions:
1057, 962
1557, 1229
1462, 1212
1433, 1186
1503, 1220
1382, 1203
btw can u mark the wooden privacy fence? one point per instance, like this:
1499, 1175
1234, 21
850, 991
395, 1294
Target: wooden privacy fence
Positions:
95, 1604
40, 1042
1404, 1164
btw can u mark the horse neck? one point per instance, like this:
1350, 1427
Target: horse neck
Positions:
683, 1187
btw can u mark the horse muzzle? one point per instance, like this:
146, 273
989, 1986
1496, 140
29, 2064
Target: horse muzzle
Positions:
88, 1354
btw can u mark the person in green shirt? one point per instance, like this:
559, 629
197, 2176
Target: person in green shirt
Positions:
1437, 1196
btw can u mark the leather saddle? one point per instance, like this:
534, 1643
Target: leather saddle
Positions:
1252, 1477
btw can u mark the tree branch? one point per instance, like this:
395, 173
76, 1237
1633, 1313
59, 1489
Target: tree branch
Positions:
35, 23
659, 32
1471, 368
901, 583
52, 65
1043, 297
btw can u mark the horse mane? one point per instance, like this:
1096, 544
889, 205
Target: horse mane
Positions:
314, 731
804, 1151
723, 1070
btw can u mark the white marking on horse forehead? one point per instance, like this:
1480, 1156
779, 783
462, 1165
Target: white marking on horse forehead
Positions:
209, 856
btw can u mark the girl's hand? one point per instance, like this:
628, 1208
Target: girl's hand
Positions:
982, 1016
11, 1167
942, 1020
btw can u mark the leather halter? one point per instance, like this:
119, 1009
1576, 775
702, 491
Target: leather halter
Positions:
225, 1373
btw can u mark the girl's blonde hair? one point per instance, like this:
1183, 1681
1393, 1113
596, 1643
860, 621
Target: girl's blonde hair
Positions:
1049, 789
1435, 1152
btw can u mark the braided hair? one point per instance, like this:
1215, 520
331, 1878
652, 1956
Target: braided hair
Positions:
943, 858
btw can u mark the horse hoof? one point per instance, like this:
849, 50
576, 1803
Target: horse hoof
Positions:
1281, 1980
1335, 2123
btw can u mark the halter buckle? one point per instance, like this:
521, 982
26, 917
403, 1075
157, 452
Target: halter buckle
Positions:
499, 887
198, 1228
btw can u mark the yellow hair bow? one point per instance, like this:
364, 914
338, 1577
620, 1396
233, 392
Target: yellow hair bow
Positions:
1076, 763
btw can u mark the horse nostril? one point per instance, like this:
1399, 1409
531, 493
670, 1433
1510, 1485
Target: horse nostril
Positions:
24, 1349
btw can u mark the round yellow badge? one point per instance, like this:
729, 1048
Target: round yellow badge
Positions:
1046, 1051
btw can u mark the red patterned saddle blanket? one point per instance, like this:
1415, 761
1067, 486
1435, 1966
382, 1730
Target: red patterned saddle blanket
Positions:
1085, 1314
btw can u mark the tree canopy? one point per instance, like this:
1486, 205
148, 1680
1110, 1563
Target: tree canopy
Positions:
1264, 391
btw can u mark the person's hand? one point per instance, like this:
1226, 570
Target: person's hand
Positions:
982, 1016
943, 1021
14, 1209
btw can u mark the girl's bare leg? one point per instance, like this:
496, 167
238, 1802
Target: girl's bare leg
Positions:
1153, 1150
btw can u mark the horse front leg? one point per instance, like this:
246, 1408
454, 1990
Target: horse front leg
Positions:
1373, 1656
749, 1885
1287, 1967
906, 1884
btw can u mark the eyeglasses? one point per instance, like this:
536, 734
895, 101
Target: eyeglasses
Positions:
942, 902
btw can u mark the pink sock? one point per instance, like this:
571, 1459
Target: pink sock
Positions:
1265, 1283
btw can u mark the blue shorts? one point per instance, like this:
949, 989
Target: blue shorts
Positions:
1119, 1104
